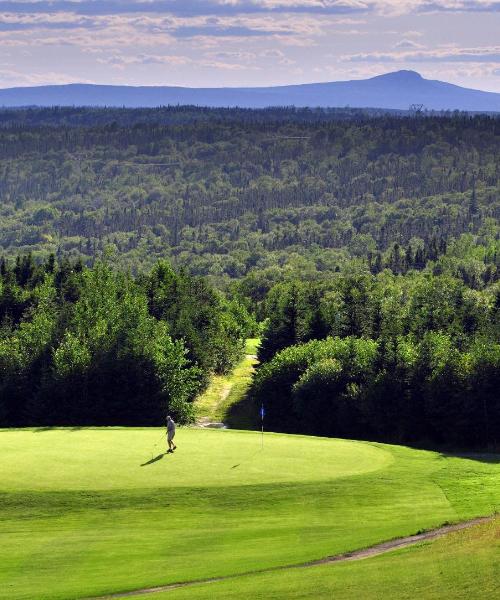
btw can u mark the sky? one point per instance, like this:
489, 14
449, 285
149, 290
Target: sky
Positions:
215, 43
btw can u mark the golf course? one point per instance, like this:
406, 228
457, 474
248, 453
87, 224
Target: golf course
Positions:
87, 512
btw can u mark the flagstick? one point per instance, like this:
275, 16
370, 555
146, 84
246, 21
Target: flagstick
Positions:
262, 425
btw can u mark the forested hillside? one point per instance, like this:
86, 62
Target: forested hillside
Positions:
93, 346
235, 193
368, 246
407, 359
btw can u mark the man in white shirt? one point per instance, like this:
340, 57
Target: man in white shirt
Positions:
170, 434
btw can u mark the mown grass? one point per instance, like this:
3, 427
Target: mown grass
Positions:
226, 391
463, 565
209, 403
92, 511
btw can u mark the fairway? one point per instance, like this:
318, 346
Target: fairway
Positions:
86, 512
461, 566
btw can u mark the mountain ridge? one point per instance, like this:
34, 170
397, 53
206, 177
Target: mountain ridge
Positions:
394, 90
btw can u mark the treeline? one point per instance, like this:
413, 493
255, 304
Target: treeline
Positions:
77, 116
368, 243
92, 346
234, 193
471, 259
406, 359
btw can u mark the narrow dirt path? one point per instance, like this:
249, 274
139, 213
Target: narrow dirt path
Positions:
207, 421
355, 555
213, 404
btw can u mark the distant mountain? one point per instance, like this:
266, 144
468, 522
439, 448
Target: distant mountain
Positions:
396, 90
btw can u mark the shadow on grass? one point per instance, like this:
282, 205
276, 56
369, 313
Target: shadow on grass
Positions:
153, 460
486, 457
241, 415
62, 428
489, 454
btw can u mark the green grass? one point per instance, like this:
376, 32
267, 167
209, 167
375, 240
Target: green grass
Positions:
237, 410
223, 400
464, 565
80, 516
210, 403
252, 345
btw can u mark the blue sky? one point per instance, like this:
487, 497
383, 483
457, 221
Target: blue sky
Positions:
246, 42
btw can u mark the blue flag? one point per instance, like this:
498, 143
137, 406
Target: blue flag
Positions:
262, 413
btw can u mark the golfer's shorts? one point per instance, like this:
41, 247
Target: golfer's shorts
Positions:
170, 436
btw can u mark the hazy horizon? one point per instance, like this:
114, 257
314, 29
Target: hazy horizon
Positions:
228, 87
246, 43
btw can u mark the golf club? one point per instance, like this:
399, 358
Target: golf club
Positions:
156, 445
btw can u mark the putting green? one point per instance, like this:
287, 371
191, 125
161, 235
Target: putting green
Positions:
86, 459
80, 516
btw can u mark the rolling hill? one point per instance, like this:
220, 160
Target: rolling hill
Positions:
397, 90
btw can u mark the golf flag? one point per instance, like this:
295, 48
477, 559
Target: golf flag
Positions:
262, 413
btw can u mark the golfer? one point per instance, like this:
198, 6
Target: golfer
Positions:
170, 434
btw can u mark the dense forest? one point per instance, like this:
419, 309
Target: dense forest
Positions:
407, 359
84, 346
366, 245
181, 115
236, 194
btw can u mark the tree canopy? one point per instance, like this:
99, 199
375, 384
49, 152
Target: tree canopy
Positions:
238, 194
85, 346
366, 244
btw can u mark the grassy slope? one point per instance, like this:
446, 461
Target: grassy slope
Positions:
462, 566
226, 391
80, 516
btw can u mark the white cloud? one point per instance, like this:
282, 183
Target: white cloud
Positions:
13, 77
233, 55
447, 54
404, 44
400, 7
123, 61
